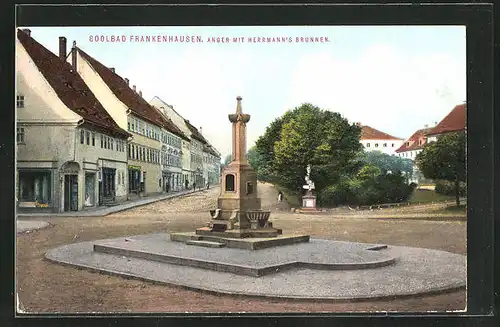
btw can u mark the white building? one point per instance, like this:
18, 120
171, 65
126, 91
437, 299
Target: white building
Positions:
375, 140
71, 154
410, 148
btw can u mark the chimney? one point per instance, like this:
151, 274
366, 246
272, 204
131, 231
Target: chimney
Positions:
126, 80
133, 87
112, 69
201, 130
425, 126
62, 48
27, 31
140, 93
73, 55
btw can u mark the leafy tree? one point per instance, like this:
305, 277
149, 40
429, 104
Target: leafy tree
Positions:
309, 135
227, 160
445, 160
259, 164
386, 162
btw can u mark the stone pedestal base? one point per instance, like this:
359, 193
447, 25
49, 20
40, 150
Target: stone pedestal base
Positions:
309, 202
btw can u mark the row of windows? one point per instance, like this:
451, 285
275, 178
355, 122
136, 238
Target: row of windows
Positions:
211, 159
376, 145
171, 140
109, 143
141, 127
196, 158
142, 153
171, 160
408, 154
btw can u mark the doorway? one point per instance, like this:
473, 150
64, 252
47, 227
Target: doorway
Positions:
70, 192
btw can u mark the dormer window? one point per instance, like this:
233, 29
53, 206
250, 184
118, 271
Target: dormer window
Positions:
20, 101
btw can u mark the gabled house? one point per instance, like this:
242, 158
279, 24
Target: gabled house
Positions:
414, 144
375, 140
410, 148
127, 106
455, 121
71, 154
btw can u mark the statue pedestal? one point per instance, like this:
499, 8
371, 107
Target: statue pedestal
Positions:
309, 204
309, 201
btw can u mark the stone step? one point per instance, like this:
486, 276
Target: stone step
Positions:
208, 244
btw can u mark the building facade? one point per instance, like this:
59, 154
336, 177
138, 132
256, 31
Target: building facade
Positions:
171, 162
200, 161
409, 150
70, 152
375, 140
169, 112
128, 108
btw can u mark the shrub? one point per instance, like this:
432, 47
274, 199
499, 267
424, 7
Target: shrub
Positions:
374, 189
448, 188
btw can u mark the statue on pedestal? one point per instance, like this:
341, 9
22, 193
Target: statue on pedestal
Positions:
309, 200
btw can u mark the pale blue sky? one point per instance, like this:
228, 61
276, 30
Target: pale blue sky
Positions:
396, 79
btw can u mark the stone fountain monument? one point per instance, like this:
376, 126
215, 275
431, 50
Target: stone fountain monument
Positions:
239, 220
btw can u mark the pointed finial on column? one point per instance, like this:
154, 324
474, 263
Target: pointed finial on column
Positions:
238, 106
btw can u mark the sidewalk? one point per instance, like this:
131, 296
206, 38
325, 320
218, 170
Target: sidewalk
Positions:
105, 210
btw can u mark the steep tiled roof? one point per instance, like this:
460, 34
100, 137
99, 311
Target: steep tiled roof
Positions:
69, 86
130, 98
414, 141
454, 121
195, 133
370, 133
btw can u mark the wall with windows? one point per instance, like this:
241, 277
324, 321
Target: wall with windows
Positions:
96, 150
36, 142
171, 162
385, 146
196, 162
143, 154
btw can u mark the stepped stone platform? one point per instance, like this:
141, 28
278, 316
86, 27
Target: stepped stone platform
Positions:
316, 254
318, 269
237, 239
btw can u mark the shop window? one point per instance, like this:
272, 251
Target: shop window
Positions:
35, 186
20, 135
